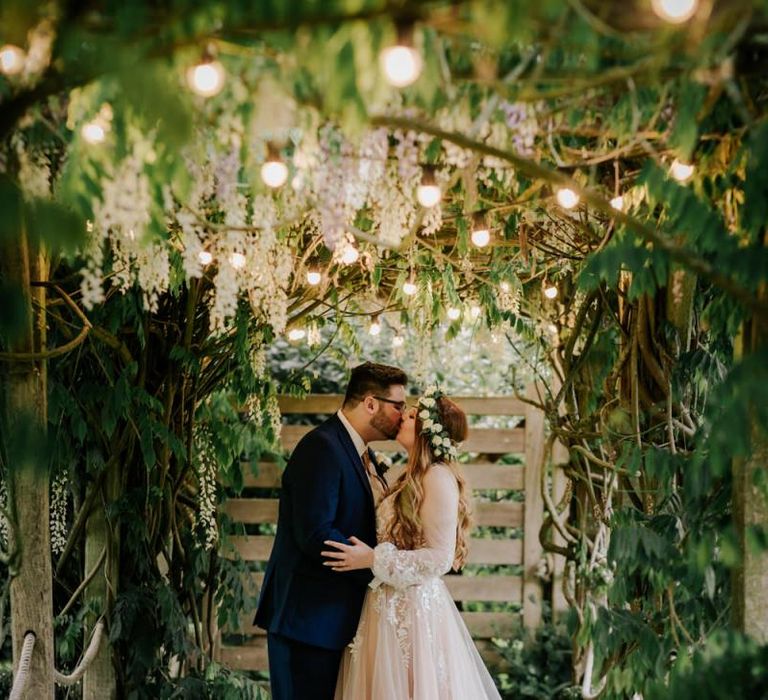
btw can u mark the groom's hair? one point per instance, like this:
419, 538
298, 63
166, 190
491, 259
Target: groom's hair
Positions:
372, 378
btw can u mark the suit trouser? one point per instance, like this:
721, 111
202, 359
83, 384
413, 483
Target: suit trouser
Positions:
300, 671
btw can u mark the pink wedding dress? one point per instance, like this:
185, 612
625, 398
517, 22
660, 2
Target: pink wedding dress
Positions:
411, 643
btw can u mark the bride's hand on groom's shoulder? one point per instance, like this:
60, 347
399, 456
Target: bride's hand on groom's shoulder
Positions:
349, 557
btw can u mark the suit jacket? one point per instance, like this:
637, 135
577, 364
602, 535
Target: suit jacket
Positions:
325, 495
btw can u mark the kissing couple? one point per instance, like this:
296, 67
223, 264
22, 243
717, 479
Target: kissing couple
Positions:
353, 601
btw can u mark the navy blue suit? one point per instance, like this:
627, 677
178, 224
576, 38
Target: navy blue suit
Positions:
310, 612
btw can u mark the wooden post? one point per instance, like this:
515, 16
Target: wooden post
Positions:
534, 513
26, 408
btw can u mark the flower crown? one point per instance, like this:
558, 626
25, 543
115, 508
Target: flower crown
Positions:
431, 425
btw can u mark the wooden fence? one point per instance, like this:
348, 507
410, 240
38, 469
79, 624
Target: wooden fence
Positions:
521, 592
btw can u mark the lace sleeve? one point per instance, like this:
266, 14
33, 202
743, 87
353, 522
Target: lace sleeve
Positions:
439, 515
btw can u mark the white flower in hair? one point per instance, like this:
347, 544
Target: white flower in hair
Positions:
446, 442
437, 440
437, 428
424, 414
431, 389
428, 402
438, 452
428, 423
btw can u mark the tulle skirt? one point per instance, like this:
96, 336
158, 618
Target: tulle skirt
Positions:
411, 644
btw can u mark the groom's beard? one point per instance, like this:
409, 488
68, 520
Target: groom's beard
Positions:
388, 427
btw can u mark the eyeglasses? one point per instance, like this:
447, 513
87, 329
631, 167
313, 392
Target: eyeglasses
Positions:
399, 405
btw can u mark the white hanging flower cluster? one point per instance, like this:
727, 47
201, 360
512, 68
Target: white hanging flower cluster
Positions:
521, 120
34, 171
207, 467
58, 512
121, 216
272, 408
441, 442
3, 508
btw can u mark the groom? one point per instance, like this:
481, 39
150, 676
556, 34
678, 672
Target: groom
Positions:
311, 613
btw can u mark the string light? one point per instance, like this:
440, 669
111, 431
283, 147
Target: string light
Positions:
350, 254
375, 327
237, 260
401, 63
296, 334
681, 171
409, 287
567, 198
12, 59
205, 257
618, 203
428, 193
675, 11
453, 313
481, 235
398, 341
313, 277
94, 132
274, 172
207, 77
550, 291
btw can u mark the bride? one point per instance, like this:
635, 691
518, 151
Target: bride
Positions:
411, 643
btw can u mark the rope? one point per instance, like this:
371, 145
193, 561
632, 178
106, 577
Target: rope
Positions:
88, 657
22, 672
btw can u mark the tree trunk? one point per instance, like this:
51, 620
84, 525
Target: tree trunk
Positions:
100, 680
28, 477
750, 506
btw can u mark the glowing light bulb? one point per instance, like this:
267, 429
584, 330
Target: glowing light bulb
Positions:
618, 203
475, 311
550, 291
675, 11
12, 59
504, 286
398, 341
206, 78
274, 173
350, 255
680, 171
454, 313
94, 132
375, 327
481, 234
409, 288
313, 277
296, 334
237, 260
481, 237
401, 65
205, 257
567, 198
428, 195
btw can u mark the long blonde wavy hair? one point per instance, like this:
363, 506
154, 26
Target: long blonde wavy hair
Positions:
406, 530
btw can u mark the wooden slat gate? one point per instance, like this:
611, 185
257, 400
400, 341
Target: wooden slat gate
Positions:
513, 584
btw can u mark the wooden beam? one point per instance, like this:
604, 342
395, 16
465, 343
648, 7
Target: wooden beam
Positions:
481, 440
326, 404
264, 510
480, 475
481, 551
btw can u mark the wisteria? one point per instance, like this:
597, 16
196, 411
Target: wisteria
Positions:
59, 525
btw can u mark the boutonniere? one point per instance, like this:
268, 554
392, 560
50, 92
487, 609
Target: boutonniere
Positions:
383, 462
